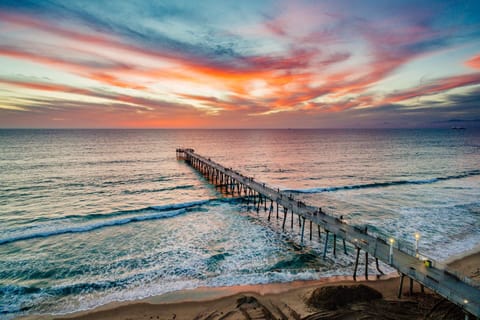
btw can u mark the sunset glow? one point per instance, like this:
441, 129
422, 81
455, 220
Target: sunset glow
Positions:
215, 64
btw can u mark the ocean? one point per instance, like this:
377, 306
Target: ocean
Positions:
88, 217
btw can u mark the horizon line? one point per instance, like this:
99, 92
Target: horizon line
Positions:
239, 128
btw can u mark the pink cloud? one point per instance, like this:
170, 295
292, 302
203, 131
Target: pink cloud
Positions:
434, 87
474, 62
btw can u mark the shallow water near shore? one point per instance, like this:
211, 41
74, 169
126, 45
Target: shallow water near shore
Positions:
94, 216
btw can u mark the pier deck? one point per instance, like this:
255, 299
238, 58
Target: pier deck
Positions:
441, 281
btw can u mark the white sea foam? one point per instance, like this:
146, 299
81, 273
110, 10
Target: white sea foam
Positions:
57, 230
64, 225
181, 205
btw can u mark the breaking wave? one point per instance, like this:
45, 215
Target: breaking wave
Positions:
107, 220
385, 184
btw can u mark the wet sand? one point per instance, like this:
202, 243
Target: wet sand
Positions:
468, 265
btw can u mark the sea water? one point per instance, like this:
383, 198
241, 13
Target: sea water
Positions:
89, 217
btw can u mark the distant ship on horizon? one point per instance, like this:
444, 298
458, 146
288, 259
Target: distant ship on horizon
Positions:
458, 128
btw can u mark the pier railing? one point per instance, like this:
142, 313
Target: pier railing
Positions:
398, 254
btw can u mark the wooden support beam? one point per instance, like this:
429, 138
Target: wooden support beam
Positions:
303, 230
400, 288
311, 226
366, 265
356, 265
334, 245
326, 245
378, 267
411, 287
285, 210
291, 226
270, 211
258, 202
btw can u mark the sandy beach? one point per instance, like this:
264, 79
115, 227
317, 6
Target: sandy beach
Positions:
275, 301
467, 264
329, 298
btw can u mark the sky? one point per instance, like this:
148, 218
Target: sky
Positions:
239, 64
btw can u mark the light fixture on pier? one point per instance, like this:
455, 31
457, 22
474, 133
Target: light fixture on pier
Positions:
390, 257
417, 237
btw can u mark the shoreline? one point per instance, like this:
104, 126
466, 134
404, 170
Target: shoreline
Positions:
462, 255
195, 300
209, 294
195, 303
468, 266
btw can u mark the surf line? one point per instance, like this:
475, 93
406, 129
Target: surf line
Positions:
408, 263
384, 184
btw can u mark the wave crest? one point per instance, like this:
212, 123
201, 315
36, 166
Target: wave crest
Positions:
385, 184
106, 220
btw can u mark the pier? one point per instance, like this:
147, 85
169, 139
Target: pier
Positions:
281, 205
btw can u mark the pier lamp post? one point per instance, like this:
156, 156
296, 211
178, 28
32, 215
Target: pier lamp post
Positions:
390, 257
417, 237
465, 301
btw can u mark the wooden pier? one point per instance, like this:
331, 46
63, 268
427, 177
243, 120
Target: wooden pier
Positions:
446, 283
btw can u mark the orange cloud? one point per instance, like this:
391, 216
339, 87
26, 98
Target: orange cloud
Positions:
474, 62
114, 81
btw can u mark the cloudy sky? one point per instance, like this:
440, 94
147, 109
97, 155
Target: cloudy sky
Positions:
239, 64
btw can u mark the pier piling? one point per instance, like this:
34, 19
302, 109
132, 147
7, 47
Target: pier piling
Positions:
400, 288
366, 265
377, 266
326, 245
303, 229
311, 225
356, 265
